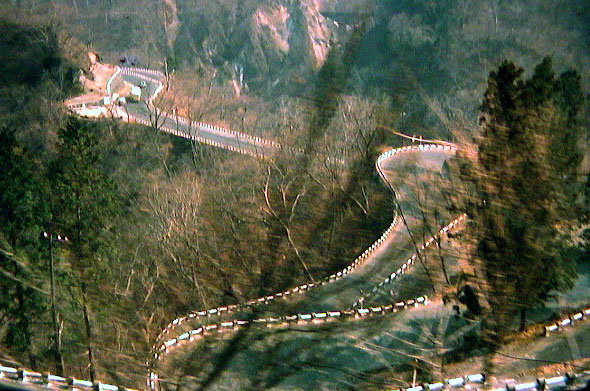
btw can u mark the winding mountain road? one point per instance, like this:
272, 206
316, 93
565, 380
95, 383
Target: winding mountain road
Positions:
341, 347
340, 351
147, 113
262, 345
375, 272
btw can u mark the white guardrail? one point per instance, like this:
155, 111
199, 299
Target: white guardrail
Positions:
54, 382
203, 140
477, 381
110, 81
358, 261
567, 322
227, 132
283, 321
144, 70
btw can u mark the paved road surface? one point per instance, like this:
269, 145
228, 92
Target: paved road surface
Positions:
140, 111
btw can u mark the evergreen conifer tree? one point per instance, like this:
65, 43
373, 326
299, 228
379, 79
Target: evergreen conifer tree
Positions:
86, 202
516, 206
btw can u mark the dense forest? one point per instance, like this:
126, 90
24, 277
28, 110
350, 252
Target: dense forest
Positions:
430, 57
157, 226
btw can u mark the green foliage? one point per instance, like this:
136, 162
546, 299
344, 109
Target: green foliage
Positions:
557, 104
32, 54
35, 76
569, 95
21, 192
85, 197
21, 305
566, 153
172, 63
58, 173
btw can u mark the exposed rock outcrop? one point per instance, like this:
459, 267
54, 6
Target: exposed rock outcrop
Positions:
256, 40
99, 74
293, 31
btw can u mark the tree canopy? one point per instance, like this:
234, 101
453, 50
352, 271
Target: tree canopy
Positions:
519, 199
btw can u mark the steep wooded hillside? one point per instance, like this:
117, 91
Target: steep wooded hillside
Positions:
430, 57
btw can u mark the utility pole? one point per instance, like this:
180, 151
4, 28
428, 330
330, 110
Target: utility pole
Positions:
89, 335
59, 363
78, 237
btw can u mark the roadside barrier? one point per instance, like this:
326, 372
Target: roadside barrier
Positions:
358, 261
85, 104
169, 344
139, 75
301, 288
433, 146
110, 81
568, 321
247, 137
479, 381
158, 90
49, 381
283, 321
127, 70
406, 266
198, 139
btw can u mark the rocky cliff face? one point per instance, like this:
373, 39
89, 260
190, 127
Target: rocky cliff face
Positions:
294, 29
318, 31
287, 33
253, 39
267, 39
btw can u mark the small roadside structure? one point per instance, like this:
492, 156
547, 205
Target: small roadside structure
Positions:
91, 111
136, 91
